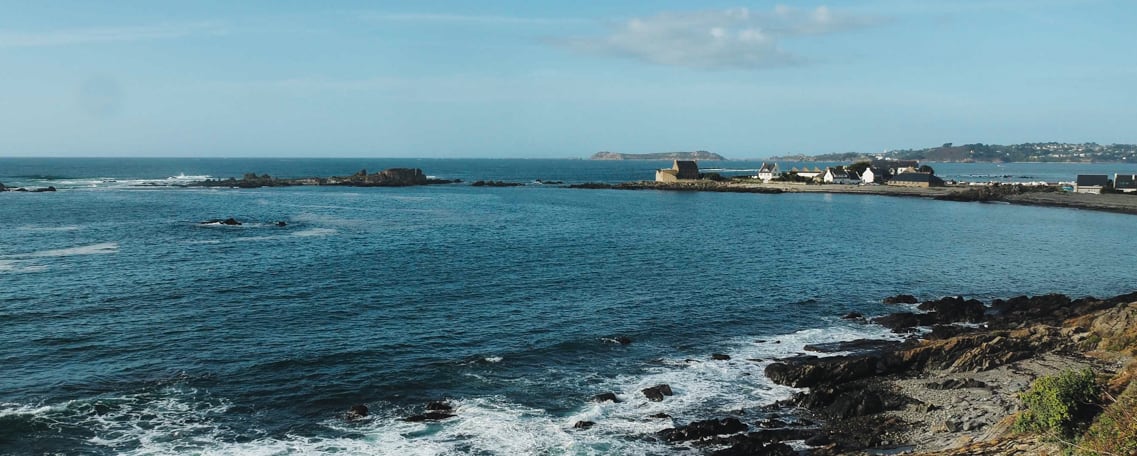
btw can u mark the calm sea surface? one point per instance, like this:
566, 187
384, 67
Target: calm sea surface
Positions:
130, 328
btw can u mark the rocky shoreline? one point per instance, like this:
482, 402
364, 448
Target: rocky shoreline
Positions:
951, 387
1006, 193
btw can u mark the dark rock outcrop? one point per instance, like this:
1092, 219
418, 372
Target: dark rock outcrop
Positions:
358, 411
229, 221
901, 299
954, 309
491, 183
605, 397
811, 371
720, 357
699, 430
436, 411
583, 424
656, 393
901, 322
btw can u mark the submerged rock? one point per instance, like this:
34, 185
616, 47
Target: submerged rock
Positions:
358, 411
720, 357
583, 424
901, 299
429, 416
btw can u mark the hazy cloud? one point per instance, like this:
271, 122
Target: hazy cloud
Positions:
733, 38
467, 19
78, 36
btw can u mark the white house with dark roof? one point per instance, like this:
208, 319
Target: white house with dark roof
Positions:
839, 176
1091, 183
767, 172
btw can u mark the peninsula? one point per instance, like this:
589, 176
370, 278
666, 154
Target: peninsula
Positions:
696, 155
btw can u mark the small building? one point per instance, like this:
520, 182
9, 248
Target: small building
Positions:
767, 172
874, 175
680, 170
916, 180
1091, 183
809, 173
839, 176
896, 167
1125, 182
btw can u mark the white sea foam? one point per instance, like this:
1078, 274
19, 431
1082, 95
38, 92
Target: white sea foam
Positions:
38, 229
93, 249
315, 232
493, 359
183, 420
15, 266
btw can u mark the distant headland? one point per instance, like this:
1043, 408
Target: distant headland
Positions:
992, 153
696, 155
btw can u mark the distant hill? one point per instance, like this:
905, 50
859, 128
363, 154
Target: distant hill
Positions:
1027, 152
697, 155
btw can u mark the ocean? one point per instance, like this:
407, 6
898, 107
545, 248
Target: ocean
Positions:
129, 327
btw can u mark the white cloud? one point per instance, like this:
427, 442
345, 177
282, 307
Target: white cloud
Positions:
733, 38
79, 36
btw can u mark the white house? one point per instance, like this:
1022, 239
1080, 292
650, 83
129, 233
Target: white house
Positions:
839, 176
767, 172
871, 175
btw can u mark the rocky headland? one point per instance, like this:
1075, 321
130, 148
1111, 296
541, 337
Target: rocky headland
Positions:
954, 386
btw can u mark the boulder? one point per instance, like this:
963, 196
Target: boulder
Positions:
656, 393
605, 397
853, 316
901, 299
439, 406
699, 430
583, 424
720, 357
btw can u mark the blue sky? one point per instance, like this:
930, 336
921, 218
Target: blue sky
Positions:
559, 79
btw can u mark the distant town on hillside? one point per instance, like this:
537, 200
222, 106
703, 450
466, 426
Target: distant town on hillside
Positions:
696, 155
1027, 152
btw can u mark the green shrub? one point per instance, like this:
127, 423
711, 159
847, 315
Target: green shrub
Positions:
1060, 404
1115, 430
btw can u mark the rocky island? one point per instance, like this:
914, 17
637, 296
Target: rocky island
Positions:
393, 177
696, 155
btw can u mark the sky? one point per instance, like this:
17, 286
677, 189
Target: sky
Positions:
526, 79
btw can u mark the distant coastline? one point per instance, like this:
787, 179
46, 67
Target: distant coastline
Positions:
696, 155
1042, 152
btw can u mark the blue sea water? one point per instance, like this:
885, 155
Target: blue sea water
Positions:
131, 328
